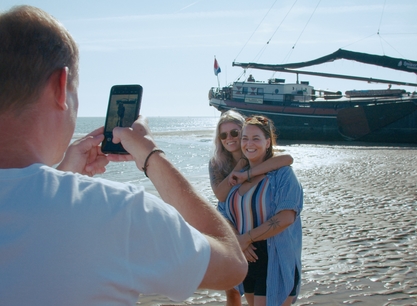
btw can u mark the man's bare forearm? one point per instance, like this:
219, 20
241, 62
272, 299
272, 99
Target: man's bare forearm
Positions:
175, 190
227, 266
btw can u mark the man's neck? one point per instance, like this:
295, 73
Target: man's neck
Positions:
21, 142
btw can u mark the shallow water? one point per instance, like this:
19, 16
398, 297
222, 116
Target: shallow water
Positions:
360, 228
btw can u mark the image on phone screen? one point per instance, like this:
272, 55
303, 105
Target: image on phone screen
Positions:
122, 111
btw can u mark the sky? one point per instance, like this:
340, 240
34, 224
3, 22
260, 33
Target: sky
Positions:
168, 46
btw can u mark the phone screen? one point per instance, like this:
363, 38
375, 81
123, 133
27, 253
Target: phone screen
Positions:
122, 111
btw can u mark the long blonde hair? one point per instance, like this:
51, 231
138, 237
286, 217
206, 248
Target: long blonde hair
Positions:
222, 161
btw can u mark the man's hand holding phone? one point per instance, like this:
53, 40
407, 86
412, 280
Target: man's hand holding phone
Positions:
84, 155
126, 134
122, 110
137, 140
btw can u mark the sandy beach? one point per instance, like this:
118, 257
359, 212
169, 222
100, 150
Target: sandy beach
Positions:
359, 227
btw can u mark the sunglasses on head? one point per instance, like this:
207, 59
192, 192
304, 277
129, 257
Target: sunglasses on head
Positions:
263, 120
233, 133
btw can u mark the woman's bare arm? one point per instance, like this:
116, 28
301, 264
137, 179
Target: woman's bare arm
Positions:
221, 190
274, 163
273, 226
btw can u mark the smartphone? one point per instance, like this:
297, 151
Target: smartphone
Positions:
122, 111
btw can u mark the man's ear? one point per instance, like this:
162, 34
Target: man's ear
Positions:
60, 88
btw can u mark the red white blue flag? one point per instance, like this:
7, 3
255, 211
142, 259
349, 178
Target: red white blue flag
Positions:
217, 69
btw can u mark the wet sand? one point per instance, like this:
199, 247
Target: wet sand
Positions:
359, 227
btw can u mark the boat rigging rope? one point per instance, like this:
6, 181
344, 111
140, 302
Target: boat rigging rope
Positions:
378, 33
379, 26
258, 56
267, 43
255, 29
308, 21
380, 20
381, 38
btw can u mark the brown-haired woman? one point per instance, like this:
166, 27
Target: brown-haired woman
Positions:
265, 211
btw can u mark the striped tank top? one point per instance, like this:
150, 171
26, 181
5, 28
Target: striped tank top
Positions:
249, 210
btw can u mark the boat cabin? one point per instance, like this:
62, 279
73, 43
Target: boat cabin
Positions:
275, 92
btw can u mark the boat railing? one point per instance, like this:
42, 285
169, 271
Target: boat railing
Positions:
220, 93
377, 100
318, 96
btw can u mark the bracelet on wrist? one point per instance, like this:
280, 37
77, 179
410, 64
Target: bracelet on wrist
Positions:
250, 237
145, 165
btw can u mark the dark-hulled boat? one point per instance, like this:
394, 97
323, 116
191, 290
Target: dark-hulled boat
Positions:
302, 113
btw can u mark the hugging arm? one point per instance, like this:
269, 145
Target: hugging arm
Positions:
274, 163
221, 189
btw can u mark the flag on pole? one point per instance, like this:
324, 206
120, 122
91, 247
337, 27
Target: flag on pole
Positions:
217, 69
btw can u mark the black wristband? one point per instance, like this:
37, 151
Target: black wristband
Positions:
145, 165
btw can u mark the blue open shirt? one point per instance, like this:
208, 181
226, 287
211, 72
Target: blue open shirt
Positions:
284, 249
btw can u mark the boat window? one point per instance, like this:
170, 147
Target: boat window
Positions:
245, 90
260, 91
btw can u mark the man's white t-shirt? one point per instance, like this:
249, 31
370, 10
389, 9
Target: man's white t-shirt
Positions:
68, 239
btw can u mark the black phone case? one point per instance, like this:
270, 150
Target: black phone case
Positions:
122, 110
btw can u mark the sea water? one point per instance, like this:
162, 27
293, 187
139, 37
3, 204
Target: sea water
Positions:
359, 217
187, 142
